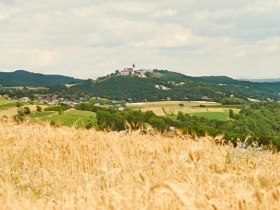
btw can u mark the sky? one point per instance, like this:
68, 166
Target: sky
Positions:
91, 38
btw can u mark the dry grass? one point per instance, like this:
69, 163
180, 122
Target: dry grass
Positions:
13, 111
157, 110
42, 167
167, 104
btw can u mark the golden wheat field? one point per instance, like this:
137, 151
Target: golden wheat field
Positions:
43, 167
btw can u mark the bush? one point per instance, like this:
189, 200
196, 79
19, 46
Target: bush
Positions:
53, 123
18, 104
20, 111
38, 108
26, 110
18, 118
89, 125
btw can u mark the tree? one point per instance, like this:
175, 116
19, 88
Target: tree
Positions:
231, 114
158, 123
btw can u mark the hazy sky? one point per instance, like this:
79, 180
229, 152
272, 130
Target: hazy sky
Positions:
90, 38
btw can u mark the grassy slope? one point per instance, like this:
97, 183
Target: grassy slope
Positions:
222, 116
70, 118
65, 168
6, 104
75, 118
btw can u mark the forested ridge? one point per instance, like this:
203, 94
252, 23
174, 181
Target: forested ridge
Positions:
25, 78
155, 86
166, 85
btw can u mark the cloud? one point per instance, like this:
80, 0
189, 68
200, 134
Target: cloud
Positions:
46, 58
165, 13
89, 38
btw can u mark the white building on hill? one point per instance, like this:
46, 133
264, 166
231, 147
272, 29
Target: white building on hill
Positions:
127, 71
132, 71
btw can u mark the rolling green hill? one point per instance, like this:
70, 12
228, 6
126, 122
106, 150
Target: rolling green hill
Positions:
156, 86
25, 78
163, 85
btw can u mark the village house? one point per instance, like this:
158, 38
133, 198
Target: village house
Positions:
25, 99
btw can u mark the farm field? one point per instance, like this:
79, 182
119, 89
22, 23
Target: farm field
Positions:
209, 110
70, 117
5, 101
222, 116
7, 104
65, 168
169, 103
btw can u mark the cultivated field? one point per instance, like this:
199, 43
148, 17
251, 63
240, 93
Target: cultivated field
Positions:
42, 167
71, 117
12, 111
168, 104
210, 110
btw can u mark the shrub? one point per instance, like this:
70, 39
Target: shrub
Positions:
38, 108
26, 110
89, 124
18, 104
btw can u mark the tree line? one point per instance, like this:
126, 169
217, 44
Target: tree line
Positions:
260, 122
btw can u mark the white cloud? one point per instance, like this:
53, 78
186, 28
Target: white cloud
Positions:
263, 5
46, 58
165, 13
89, 38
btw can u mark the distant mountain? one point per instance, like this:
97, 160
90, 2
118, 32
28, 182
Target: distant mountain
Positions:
265, 80
25, 78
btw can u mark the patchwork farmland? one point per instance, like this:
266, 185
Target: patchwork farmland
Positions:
209, 110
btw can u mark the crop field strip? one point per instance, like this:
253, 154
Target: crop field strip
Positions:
209, 110
72, 117
43, 167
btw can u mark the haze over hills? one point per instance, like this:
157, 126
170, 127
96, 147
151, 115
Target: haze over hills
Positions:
26, 78
265, 80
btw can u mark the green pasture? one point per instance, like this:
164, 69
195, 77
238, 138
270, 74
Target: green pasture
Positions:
7, 104
41, 114
76, 118
222, 116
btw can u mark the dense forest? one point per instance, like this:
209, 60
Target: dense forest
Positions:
25, 78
